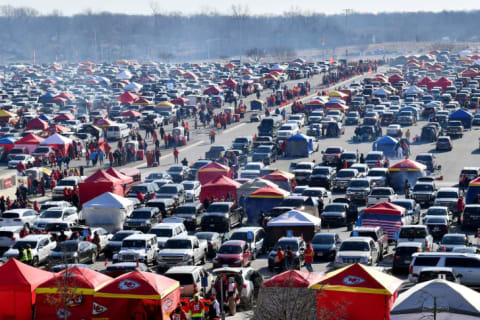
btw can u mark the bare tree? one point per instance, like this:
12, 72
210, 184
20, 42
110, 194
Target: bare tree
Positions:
255, 54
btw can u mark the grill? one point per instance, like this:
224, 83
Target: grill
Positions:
134, 224
128, 257
351, 260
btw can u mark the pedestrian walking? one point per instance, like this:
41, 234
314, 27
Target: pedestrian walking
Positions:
175, 155
309, 254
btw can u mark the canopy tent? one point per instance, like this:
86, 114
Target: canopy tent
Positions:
37, 124
213, 90
335, 93
447, 299
45, 117
165, 104
293, 278
299, 145
403, 170
346, 293
58, 142
46, 97
97, 184
117, 174
335, 105
103, 123
473, 191
386, 144
127, 98
137, 294
131, 114
7, 143
18, 282
64, 117
57, 128
4, 114
180, 101
108, 210
142, 102
395, 78
82, 282
230, 83
385, 215
251, 186
133, 87
464, 116
124, 75
219, 188
263, 199
30, 141
212, 171
381, 92
284, 180
470, 73
442, 82
425, 82
413, 90
190, 75
297, 222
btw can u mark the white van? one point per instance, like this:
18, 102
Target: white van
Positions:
118, 131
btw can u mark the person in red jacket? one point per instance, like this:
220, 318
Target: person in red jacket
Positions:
140, 197
460, 206
196, 310
309, 254
178, 314
175, 155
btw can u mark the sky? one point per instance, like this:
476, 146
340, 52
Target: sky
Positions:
70, 7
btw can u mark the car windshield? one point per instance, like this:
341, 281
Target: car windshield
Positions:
334, 208
435, 221
198, 165
133, 244
178, 244
188, 185
312, 193
453, 240
423, 187
284, 244
119, 236
175, 169
323, 239
239, 236
168, 189
155, 176
66, 246
161, 232
320, 171
345, 174
10, 215
292, 203
263, 149
376, 173
373, 157
351, 156
51, 214
436, 212
42, 150
65, 183
228, 249
431, 275
354, 246
381, 192
333, 150
183, 278
23, 244
447, 194
406, 251
19, 157
406, 204
141, 214
412, 233
186, 209
137, 189
204, 235
216, 207
252, 167
425, 158
359, 184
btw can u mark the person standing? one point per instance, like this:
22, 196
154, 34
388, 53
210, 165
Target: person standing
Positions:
111, 159
178, 313
289, 258
175, 155
309, 254
29, 254
196, 310
232, 295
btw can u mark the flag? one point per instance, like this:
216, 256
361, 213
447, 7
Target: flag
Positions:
138, 265
106, 262
423, 64
332, 60
101, 139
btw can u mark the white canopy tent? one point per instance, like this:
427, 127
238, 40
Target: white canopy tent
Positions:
133, 86
294, 218
124, 75
108, 210
413, 90
451, 301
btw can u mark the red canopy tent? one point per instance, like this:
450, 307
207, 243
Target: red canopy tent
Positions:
82, 282
219, 188
230, 83
58, 99
213, 90
143, 102
30, 141
97, 184
18, 282
424, 82
57, 128
37, 124
120, 176
64, 117
131, 113
138, 295
127, 97
470, 73
180, 101
190, 75
442, 82
293, 279
230, 66
284, 180
385, 208
356, 292
212, 171
102, 123
395, 78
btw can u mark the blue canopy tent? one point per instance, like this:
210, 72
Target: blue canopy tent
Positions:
45, 117
299, 145
264, 199
386, 144
414, 110
46, 97
461, 115
473, 191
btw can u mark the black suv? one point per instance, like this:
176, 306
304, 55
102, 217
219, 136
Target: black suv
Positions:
221, 217
143, 219
322, 176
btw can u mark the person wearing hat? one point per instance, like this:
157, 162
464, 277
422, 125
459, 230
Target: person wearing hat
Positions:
214, 308
196, 310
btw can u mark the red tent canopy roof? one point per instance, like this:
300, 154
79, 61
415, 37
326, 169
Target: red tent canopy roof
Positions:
214, 167
230, 82
361, 279
104, 122
117, 174
131, 113
293, 279
223, 181
278, 176
57, 128
269, 192
78, 277
395, 78
102, 176
385, 208
37, 123
140, 285
407, 165
64, 116
15, 275
30, 139
127, 97
424, 81
212, 90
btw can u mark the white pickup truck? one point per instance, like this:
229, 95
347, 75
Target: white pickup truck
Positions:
184, 250
381, 194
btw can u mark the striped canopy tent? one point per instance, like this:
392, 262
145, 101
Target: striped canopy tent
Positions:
473, 191
356, 292
403, 170
337, 94
284, 180
212, 171
384, 214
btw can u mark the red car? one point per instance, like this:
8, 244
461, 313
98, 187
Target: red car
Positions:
331, 154
233, 253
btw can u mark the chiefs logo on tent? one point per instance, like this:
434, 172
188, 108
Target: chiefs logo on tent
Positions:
62, 313
98, 308
128, 285
352, 280
167, 304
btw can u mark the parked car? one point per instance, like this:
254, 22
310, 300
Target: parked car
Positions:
73, 251
221, 217
192, 214
214, 241
402, 255
254, 236
164, 231
178, 173
248, 282
322, 176
444, 143
424, 193
8, 237
447, 197
233, 253
416, 233
437, 226
117, 269
25, 159
377, 234
192, 190
381, 194
115, 243
343, 178
412, 208
190, 279
359, 189
143, 219
184, 250
296, 244
41, 245
138, 247
470, 217
335, 214
18, 217
56, 214
357, 250
325, 245
331, 154
450, 241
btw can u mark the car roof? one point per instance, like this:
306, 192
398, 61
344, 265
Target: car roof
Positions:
365, 239
246, 229
140, 236
166, 225
448, 189
234, 242
410, 244
34, 237
184, 269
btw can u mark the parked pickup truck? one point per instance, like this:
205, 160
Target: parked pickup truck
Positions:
381, 194
454, 129
215, 152
185, 250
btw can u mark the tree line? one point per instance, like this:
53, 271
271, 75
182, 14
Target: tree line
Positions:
104, 37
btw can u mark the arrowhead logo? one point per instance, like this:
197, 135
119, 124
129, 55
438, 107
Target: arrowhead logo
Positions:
353, 280
98, 308
128, 285
62, 314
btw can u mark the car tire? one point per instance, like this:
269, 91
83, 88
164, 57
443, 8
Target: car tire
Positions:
75, 260
93, 258
35, 261
254, 254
